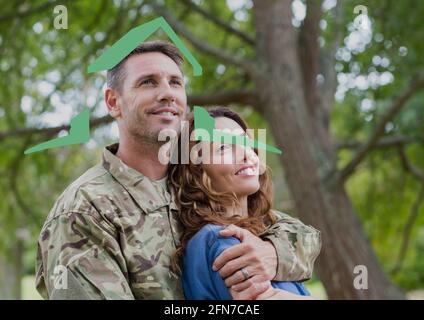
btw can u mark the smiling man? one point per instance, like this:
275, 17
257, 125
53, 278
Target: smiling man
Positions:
113, 231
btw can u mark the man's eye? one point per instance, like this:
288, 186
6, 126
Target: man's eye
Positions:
147, 81
176, 82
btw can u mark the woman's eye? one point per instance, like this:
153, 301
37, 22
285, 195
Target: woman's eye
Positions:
223, 147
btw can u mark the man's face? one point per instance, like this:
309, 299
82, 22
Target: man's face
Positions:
152, 96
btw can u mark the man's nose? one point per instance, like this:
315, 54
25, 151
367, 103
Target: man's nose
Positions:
166, 93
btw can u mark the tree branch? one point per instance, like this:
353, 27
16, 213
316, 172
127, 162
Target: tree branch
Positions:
95, 122
413, 214
384, 142
219, 22
48, 132
40, 8
16, 162
203, 46
409, 167
241, 96
309, 52
379, 130
327, 62
407, 230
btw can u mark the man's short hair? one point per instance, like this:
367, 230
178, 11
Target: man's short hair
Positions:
116, 75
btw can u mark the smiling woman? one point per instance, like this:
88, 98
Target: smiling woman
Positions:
229, 188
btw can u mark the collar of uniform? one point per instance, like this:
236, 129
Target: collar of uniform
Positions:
150, 197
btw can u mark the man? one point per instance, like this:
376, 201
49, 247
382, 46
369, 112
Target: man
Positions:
112, 232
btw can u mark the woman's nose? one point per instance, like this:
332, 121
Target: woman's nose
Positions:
166, 93
250, 155
247, 155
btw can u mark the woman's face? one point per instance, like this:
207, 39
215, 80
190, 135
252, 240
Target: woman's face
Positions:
232, 167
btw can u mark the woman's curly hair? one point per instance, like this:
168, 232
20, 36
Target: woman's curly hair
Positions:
199, 204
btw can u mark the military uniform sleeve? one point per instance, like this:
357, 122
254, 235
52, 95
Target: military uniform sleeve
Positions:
297, 246
80, 258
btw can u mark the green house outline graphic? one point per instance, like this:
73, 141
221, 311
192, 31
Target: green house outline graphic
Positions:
79, 131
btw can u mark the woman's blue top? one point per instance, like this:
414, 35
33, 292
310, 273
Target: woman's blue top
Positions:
199, 281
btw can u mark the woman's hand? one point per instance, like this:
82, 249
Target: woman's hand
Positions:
279, 294
258, 288
251, 288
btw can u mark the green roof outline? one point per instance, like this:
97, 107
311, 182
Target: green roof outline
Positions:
80, 125
79, 132
121, 48
204, 121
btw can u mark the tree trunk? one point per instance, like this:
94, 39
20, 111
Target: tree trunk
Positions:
308, 159
10, 274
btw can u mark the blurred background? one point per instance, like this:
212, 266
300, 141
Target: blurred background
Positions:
337, 84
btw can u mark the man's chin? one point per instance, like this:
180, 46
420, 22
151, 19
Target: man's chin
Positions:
162, 133
156, 132
174, 126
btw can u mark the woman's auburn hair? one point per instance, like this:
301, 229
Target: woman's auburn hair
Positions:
199, 204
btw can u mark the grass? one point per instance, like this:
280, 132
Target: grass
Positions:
28, 289
30, 293
314, 287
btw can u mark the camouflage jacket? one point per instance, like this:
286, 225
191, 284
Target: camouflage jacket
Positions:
112, 233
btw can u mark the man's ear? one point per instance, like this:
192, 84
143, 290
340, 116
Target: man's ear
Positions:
111, 99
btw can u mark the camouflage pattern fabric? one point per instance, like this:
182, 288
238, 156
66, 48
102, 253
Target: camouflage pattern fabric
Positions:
297, 246
112, 233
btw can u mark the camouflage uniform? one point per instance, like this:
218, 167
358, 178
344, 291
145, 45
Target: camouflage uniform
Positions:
113, 231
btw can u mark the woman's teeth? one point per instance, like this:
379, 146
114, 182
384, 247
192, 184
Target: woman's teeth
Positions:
247, 171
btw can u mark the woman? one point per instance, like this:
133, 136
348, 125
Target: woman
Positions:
226, 188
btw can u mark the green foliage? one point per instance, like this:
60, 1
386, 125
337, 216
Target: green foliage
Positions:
42, 76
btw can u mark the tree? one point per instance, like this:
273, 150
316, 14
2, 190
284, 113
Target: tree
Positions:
286, 93
285, 69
